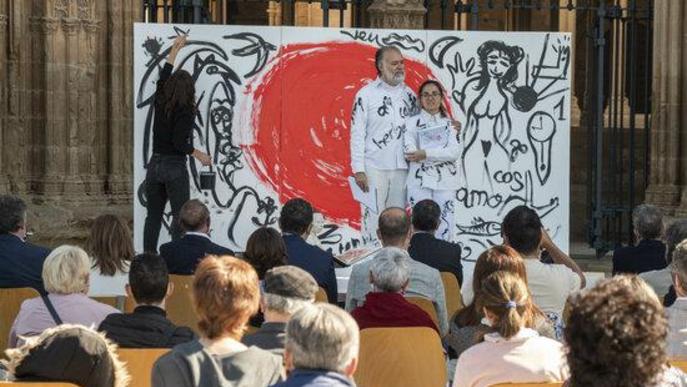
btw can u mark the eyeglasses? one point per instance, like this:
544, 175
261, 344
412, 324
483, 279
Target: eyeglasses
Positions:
436, 94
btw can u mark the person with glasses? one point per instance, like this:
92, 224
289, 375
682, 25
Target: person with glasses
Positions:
432, 150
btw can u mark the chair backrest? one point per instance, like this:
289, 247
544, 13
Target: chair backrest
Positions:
454, 299
555, 384
180, 304
681, 364
391, 357
10, 302
114, 301
321, 296
139, 363
425, 305
36, 384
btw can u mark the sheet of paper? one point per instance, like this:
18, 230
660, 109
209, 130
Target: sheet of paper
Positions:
368, 199
433, 137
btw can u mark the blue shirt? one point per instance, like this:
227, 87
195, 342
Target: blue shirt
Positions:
315, 378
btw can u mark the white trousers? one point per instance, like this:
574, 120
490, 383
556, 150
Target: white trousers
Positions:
391, 192
446, 199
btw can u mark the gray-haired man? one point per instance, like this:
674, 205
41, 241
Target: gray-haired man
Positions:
322, 343
285, 290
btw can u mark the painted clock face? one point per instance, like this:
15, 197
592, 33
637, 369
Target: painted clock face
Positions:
541, 127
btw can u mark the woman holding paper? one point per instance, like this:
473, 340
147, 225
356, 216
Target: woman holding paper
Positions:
432, 149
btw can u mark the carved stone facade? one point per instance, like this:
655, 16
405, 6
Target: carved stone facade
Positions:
668, 173
66, 111
399, 14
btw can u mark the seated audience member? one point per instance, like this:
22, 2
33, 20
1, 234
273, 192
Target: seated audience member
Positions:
111, 248
265, 250
394, 231
513, 353
225, 294
184, 254
650, 253
616, 337
677, 313
21, 262
385, 306
549, 284
426, 248
661, 280
468, 327
285, 289
295, 221
147, 326
68, 354
322, 344
65, 275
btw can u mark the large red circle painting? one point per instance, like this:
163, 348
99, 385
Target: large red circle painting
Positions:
301, 118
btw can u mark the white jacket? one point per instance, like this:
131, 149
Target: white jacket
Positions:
377, 124
440, 169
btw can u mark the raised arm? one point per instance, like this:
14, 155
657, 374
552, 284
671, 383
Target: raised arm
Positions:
562, 258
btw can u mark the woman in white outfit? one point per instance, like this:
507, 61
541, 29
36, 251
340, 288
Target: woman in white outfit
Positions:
432, 149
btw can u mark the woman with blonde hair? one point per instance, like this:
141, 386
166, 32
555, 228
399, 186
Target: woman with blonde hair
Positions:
66, 278
513, 353
226, 293
467, 327
111, 248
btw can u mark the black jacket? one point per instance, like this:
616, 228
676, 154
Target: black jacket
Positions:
436, 253
648, 255
319, 263
21, 263
146, 327
182, 256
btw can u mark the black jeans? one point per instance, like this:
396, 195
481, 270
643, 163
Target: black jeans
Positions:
166, 179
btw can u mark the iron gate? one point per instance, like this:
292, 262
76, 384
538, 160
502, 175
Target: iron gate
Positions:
612, 86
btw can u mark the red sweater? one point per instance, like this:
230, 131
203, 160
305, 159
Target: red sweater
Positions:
390, 310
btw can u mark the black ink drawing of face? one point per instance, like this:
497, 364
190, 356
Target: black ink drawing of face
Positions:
498, 63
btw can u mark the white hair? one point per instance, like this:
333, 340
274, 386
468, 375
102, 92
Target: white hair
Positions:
66, 270
390, 269
322, 336
284, 305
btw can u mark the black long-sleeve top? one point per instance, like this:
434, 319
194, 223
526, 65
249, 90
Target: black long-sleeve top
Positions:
172, 135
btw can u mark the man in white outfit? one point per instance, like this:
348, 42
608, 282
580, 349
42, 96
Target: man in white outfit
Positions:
377, 126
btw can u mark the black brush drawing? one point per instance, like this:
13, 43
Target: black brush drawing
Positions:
541, 128
404, 42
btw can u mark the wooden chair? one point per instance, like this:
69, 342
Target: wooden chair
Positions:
36, 384
10, 302
392, 357
139, 363
679, 363
427, 306
454, 298
553, 384
180, 304
321, 296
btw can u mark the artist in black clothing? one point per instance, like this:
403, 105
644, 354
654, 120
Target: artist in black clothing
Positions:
167, 176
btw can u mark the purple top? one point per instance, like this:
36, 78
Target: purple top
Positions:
76, 308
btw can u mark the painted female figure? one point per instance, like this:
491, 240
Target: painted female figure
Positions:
485, 100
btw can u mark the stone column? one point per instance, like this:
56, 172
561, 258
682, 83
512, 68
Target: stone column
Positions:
401, 14
115, 94
667, 166
4, 183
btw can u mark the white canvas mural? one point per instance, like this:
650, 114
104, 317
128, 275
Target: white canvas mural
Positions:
275, 108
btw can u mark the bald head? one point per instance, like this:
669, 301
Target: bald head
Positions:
394, 226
